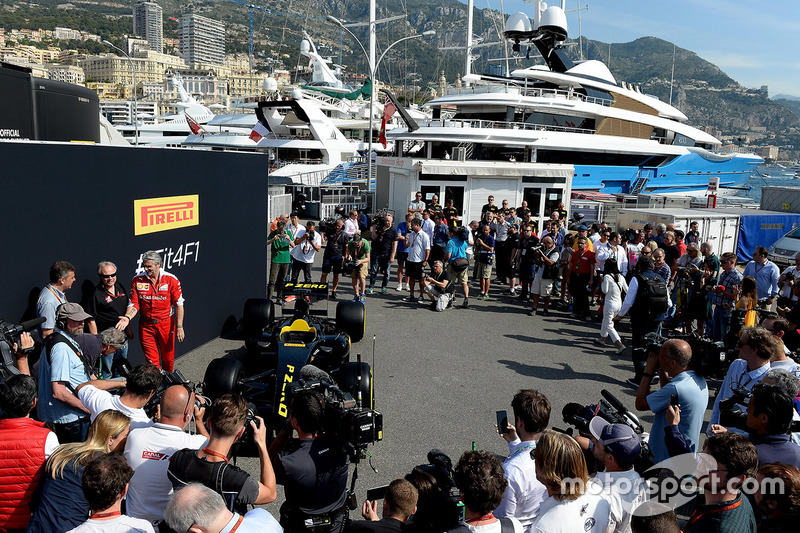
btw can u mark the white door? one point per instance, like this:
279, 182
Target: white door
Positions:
481, 188
400, 194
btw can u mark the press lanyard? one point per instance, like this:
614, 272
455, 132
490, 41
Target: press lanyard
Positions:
50, 288
209, 451
695, 518
105, 515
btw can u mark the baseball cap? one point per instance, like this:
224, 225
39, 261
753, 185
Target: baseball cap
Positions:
583, 227
619, 439
72, 311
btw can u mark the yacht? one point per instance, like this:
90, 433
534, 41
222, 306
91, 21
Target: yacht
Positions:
618, 139
172, 129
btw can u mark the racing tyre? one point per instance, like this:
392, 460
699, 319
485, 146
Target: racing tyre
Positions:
351, 318
257, 315
347, 379
222, 377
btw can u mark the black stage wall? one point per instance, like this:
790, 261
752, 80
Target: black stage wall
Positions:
205, 211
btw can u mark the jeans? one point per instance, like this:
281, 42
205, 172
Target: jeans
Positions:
380, 264
720, 322
108, 361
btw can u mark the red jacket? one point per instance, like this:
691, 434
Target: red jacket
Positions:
22, 442
156, 300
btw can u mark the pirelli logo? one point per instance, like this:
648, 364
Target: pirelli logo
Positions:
162, 214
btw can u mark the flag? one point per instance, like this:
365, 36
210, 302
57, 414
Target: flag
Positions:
193, 125
389, 110
260, 130
528, 53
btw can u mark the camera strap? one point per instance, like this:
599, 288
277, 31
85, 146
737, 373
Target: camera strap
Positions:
58, 337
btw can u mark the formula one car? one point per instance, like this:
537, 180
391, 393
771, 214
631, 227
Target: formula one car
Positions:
304, 350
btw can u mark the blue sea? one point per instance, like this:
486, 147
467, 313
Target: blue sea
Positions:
777, 179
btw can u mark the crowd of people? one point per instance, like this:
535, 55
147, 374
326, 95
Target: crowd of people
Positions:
80, 451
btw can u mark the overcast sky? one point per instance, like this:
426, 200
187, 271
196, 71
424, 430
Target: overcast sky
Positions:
755, 43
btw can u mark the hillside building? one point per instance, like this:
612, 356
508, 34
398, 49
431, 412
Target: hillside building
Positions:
148, 22
202, 40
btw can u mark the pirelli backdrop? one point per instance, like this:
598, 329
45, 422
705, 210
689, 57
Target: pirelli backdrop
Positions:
205, 212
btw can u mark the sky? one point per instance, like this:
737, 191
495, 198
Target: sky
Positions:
755, 43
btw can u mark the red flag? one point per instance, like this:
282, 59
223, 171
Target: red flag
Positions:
193, 125
382, 134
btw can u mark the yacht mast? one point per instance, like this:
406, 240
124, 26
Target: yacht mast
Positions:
468, 63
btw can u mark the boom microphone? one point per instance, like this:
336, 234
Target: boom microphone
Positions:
314, 373
616, 404
30, 324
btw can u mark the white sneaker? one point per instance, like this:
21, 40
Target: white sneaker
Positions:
408, 287
399, 287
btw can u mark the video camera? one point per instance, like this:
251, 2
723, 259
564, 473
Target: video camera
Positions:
732, 416
9, 336
710, 358
168, 379
614, 412
445, 511
347, 423
349, 267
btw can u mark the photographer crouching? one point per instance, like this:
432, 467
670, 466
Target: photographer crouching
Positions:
312, 470
439, 287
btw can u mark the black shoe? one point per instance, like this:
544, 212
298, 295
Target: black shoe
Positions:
450, 303
465, 305
333, 295
532, 312
433, 306
545, 312
634, 382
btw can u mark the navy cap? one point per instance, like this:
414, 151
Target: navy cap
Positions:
618, 439
582, 227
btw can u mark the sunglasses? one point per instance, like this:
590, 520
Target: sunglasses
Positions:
107, 276
646, 253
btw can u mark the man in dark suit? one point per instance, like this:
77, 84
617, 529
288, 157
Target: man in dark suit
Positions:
399, 504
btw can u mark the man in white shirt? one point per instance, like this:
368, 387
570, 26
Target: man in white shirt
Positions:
416, 205
616, 447
142, 382
428, 225
786, 296
198, 509
307, 242
524, 492
419, 249
149, 449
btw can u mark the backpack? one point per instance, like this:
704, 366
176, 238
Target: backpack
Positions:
651, 296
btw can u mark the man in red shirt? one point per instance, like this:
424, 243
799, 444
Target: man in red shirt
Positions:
158, 295
581, 266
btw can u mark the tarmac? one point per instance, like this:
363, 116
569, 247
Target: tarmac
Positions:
441, 376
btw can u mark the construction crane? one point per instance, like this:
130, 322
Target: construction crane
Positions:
251, 7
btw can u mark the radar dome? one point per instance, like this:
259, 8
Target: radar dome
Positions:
270, 85
297, 94
518, 25
554, 20
305, 46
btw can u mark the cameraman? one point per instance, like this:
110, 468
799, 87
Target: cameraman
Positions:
333, 258
676, 379
307, 243
399, 504
141, 383
439, 287
546, 259
210, 465
524, 257
756, 347
280, 241
312, 470
384, 249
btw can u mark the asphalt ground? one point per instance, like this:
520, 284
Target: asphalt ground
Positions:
441, 376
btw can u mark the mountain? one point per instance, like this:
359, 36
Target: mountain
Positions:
791, 105
786, 97
707, 95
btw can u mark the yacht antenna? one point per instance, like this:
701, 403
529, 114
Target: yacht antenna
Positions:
580, 31
672, 78
468, 64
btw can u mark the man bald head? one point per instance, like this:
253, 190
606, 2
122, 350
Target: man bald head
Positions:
177, 405
197, 509
676, 351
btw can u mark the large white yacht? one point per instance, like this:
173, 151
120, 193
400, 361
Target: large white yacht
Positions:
618, 139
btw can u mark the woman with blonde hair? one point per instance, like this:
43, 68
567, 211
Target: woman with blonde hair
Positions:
573, 503
61, 505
